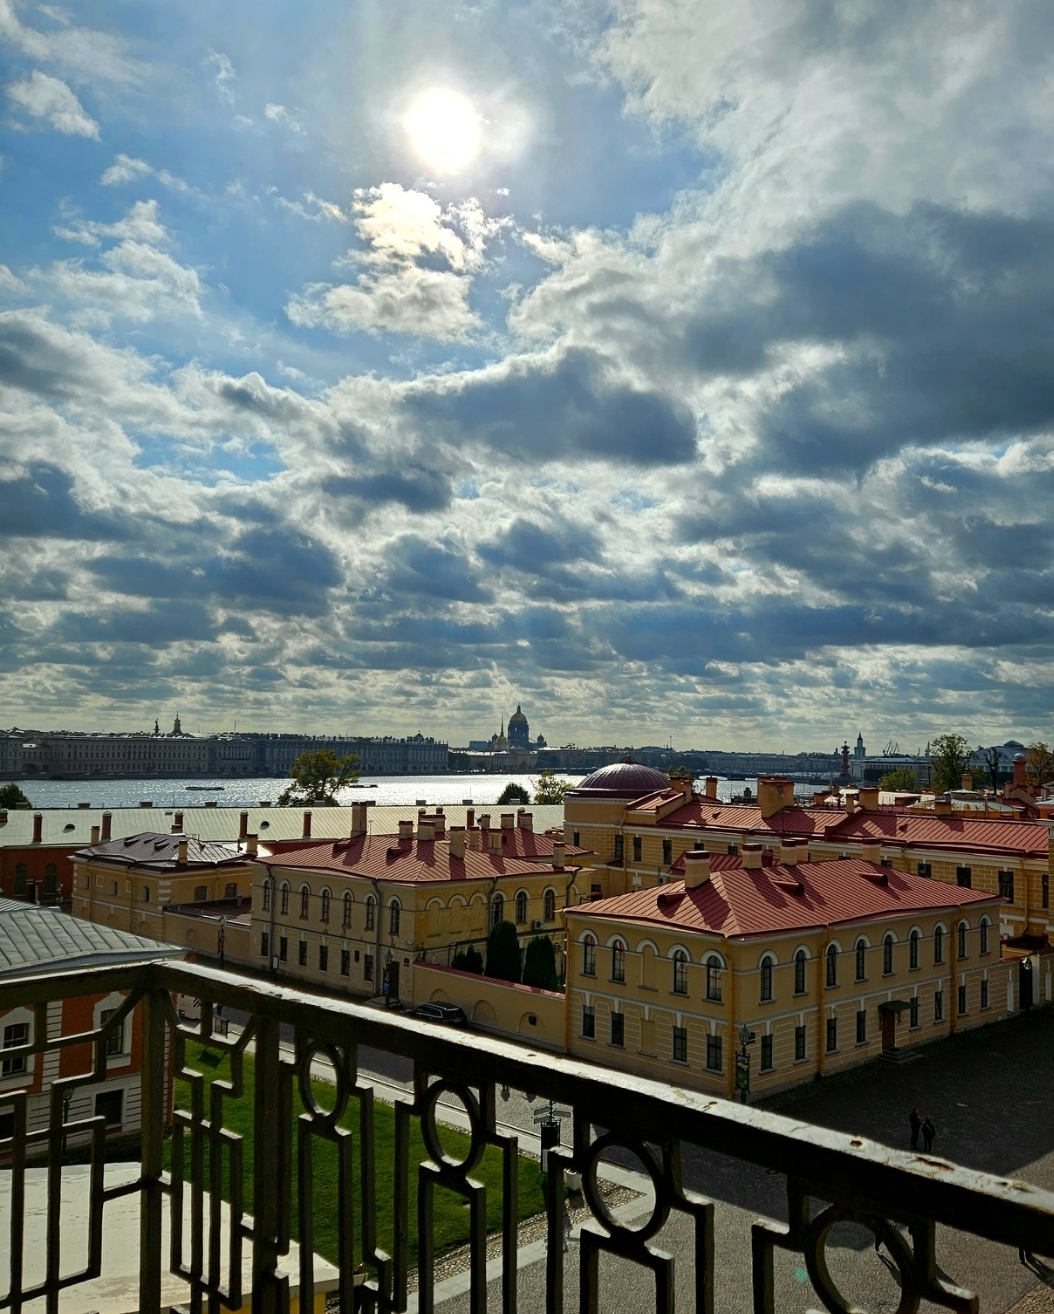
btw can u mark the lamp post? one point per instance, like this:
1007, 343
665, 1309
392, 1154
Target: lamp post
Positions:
222, 938
746, 1037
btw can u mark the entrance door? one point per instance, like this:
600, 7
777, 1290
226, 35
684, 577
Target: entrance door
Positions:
889, 1028
391, 979
1024, 980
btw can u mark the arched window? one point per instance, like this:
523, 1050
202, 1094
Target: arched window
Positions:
305, 900
938, 944
346, 918
589, 956
285, 898
395, 910
861, 960
497, 910
887, 955
766, 980
799, 972
618, 961
521, 907
984, 935
961, 947
324, 912
680, 972
832, 965
267, 896
713, 979
371, 905
550, 906
913, 950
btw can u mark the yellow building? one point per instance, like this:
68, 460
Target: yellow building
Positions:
356, 914
827, 964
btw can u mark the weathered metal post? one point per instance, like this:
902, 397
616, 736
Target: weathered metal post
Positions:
152, 1132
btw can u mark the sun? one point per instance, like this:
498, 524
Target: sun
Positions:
444, 130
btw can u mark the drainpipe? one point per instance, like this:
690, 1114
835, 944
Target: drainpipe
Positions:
272, 953
954, 1001
730, 1083
821, 1037
377, 931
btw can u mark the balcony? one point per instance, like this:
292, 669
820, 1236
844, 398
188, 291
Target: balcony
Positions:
242, 1255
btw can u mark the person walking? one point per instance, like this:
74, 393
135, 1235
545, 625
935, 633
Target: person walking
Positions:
916, 1124
928, 1133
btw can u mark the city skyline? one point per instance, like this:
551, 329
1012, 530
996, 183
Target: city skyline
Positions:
676, 378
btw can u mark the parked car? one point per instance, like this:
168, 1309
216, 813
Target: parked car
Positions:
447, 1014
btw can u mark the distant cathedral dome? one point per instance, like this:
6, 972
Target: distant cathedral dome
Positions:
519, 730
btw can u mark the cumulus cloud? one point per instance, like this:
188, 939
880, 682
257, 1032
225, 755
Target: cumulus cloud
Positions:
92, 55
225, 75
44, 97
279, 114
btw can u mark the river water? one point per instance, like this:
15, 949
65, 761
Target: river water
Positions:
249, 791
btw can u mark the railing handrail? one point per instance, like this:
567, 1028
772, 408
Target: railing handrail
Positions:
838, 1165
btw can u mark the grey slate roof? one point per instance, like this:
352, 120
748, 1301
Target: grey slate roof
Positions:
158, 852
33, 937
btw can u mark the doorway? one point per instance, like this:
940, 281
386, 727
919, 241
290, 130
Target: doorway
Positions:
889, 1028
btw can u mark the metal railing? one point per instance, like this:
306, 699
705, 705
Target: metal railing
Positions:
830, 1177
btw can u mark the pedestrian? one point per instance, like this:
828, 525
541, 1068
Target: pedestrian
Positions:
916, 1125
928, 1133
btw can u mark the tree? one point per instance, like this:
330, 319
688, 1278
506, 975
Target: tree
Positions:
11, 796
680, 772
549, 789
1040, 763
318, 777
949, 757
470, 960
503, 952
900, 780
991, 758
539, 964
513, 793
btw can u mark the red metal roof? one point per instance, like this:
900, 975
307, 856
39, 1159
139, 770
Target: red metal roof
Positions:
709, 813
382, 857
957, 831
742, 901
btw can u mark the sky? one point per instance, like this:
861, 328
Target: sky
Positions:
679, 370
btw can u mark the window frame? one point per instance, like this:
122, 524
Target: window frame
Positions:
800, 982
618, 1027
395, 917
618, 961
938, 946
714, 1056
714, 968
831, 967
589, 955
765, 983
860, 957
679, 1045
679, 958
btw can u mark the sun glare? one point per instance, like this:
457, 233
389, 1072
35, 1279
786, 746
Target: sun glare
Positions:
444, 130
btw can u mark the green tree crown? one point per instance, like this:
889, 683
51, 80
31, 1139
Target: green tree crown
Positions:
317, 777
539, 964
949, 757
503, 952
11, 796
513, 793
549, 789
900, 780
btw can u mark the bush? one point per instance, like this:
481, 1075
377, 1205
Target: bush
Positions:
513, 793
503, 952
539, 964
469, 961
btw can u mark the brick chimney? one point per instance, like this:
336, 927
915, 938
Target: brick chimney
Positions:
177, 823
252, 844
484, 821
868, 795
107, 822
494, 841
967, 781
508, 820
358, 819
774, 794
470, 818
1020, 771
789, 852
942, 805
426, 831
871, 850
525, 820
457, 841
684, 784
243, 825
307, 826
439, 823
558, 854
181, 853
474, 842
95, 834
752, 856
696, 868
38, 827
710, 788
406, 831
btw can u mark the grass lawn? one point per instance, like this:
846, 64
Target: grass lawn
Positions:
450, 1213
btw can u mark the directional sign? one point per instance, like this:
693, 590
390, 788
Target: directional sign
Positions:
545, 1115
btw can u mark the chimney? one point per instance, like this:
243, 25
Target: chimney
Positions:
752, 856
774, 794
243, 825
440, 812
473, 833
710, 788
967, 781
95, 834
789, 852
507, 821
558, 854
426, 830
470, 818
181, 853
868, 795
107, 822
406, 831
871, 850
3, 816
696, 868
494, 838
358, 819
307, 826
942, 805
252, 843
819, 798
177, 823
1020, 771
684, 784
457, 841
38, 827
851, 799
525, 820
484, 821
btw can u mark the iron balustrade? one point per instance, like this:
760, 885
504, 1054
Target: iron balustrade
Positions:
899, 1196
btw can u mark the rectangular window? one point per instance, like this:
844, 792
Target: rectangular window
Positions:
680, 1045
115, 1040
861, 1027
984, 992
618, 848
283, 948
667, 852
832, 1034
1044, 886
265, 944
302, 953
323, 957
962, 1000
733, 849
14, 1035
638, 846
367, 967
925, 869
713, 1052
345, 962
766, 1053
575, 839
109, 1104
589, 1022
887, 862
1006, 886
799, 1044
964, 877
913, 1012
938, 1006
618, 1028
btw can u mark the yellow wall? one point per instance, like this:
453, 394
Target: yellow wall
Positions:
498, 1006
133, 900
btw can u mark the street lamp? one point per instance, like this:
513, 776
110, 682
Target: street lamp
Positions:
746, 1037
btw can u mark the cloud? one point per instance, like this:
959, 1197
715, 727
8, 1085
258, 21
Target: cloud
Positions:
279, 114
126, 169
44, 97
89, 54
224, 74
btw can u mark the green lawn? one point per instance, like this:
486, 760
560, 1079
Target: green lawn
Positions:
451, 1213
